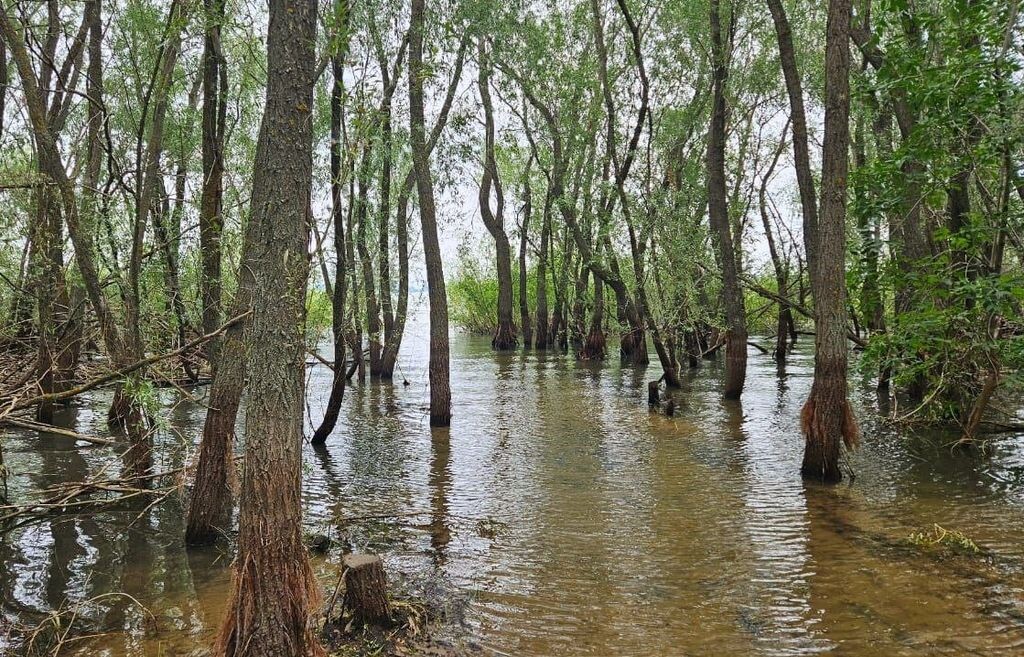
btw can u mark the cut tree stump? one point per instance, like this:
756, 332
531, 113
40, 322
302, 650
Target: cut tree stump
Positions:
366, 590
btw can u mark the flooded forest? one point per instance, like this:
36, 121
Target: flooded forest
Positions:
512, 328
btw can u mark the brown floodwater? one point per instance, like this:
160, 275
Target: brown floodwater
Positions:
563, 517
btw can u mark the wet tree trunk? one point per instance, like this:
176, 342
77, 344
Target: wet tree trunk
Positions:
340, 286
390, 82
46, 272
211, 220
718, 213
524, 229
211, 501
389, 357
826, 418
274, 592
785, 315
373, 324
505, 334
440, 391
541, 337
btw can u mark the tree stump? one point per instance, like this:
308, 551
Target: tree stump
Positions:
366, 590
653, 393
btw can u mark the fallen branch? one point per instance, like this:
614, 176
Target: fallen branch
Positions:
32, 425
118, 373
768, 294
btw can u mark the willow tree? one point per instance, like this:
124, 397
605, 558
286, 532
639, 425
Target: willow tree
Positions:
718, 215
827, 419
440, 390
274, 592
505, 334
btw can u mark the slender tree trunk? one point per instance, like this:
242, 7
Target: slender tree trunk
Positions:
524, 274
826, 418
718, 212
340, 286
274, 593
541, 338
389, 355
373, 325
211, 501
505, 335
211, 219
440, 391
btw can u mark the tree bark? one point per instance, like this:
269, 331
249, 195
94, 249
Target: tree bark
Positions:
827, 419
211, 219
440, 391
718, 214
505, 335
274, 592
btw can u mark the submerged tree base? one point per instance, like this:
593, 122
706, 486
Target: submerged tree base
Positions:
828, 424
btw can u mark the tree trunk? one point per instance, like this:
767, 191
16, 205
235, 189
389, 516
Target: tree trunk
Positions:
340, 286
274, 592
524, 229
440, 391
389, 355
366, 590
827, 419
718, 213
505, 335
211, 219
211, 501
541, 337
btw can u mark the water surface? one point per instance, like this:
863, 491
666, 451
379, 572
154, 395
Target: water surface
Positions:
573, 519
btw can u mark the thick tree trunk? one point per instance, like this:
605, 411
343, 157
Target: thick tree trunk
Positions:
718, 212
274, 593
440, 391
826, 418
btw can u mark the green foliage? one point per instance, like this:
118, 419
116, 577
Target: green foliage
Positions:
946, 540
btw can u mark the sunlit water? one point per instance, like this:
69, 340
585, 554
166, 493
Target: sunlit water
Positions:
574, 519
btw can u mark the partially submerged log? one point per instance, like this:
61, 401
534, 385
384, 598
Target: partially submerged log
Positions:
366, 599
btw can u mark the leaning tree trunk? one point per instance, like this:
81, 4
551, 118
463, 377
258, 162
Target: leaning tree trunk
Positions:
440, 390
826, 418
274, 593
211, 502
718, 213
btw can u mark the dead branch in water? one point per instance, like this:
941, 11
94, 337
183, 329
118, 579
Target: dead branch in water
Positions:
32, 425
13, 404
77, 496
